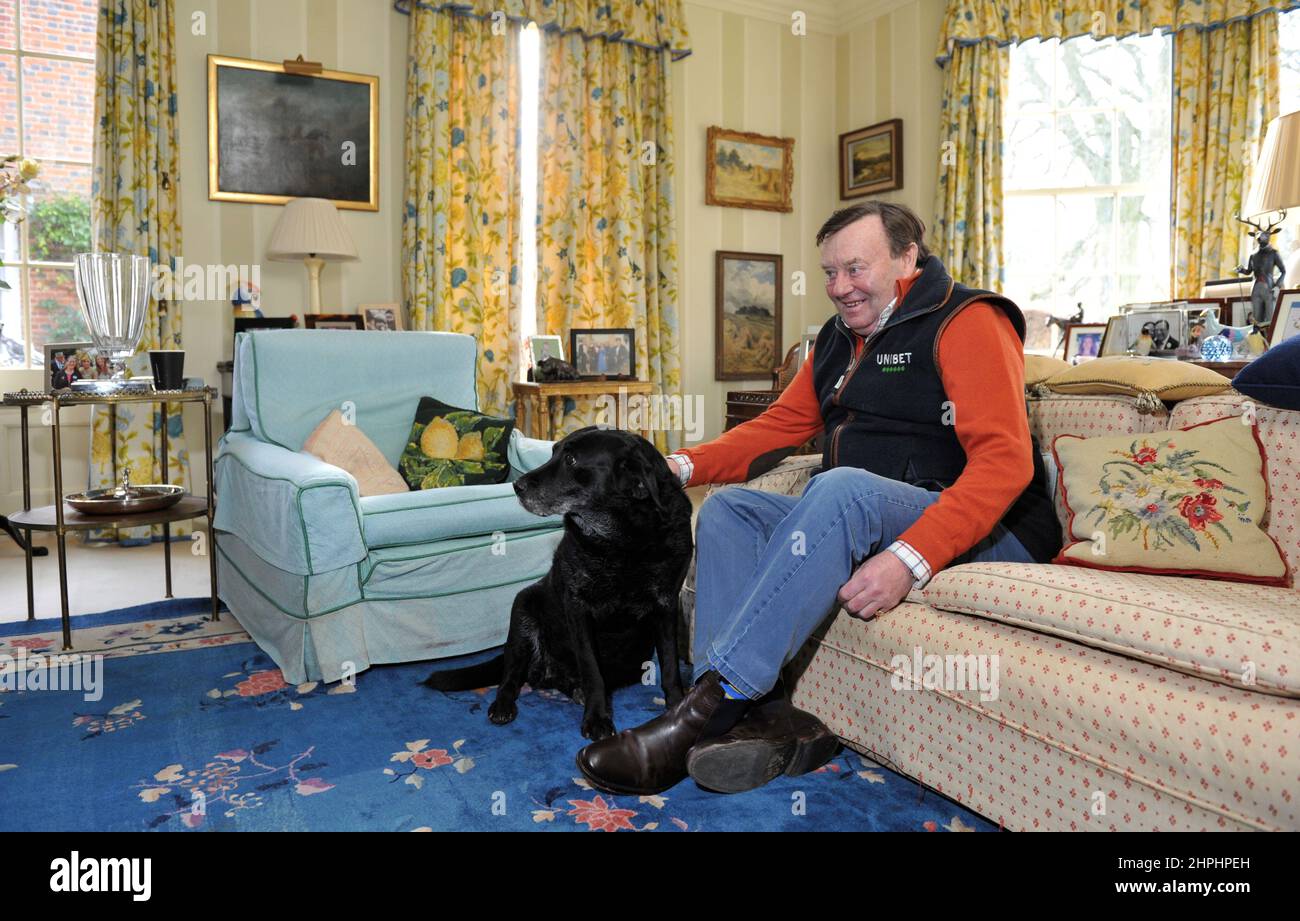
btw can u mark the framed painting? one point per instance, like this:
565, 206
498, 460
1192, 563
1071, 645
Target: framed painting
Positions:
871, 159
275, 135
746, 170
747, 306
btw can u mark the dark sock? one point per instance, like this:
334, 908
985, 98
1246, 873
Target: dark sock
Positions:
728, 712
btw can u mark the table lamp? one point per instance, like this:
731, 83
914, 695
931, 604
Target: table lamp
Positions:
310, 230
1275, 185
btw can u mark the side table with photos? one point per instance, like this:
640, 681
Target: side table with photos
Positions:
61, 517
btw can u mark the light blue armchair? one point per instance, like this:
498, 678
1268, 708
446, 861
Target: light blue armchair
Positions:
327, 582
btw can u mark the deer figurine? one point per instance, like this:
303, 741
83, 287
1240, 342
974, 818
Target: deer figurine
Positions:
1263, 295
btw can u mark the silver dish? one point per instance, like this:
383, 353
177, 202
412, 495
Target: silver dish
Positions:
136, 499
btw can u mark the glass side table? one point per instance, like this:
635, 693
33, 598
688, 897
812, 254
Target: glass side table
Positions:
61, 518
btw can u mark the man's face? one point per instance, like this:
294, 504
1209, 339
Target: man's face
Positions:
861, 272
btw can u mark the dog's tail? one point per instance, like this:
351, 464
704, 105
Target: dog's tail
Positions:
468, 678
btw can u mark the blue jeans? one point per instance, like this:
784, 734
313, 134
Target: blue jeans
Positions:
768, 567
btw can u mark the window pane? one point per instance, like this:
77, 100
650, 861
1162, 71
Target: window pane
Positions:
8, 38
1083, 149
1289, 45
60, 26
58, 107
11, 320
56, 315
9, 103
9, 242
1084, 255
1031, 90
1029, 153
58, 219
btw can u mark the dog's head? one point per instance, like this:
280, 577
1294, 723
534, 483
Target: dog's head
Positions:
597, 474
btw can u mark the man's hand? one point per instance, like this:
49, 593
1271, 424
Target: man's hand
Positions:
879, 584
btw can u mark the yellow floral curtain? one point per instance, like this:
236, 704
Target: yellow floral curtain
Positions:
460, 223
135, 198
967, 231
1225, 90
1225, 93
607, 248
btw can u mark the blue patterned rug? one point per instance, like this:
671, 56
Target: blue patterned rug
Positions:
196, 729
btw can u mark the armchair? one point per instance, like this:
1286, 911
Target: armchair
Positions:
326, 581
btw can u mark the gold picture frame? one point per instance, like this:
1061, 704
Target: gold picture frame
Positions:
747, 170
294, 109
871, 159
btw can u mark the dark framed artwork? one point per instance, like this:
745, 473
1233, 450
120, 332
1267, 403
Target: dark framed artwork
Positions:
746, 170
603, 354
273, 135
747, 292
871, 159
333, 321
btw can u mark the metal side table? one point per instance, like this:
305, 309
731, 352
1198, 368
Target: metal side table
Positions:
61, 519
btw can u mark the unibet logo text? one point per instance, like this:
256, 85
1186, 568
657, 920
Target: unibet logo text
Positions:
891, 362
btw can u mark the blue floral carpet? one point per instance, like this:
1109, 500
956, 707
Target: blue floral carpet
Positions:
197, 730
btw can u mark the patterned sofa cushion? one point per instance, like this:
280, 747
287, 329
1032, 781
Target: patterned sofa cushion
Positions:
1279, 432
1235, 633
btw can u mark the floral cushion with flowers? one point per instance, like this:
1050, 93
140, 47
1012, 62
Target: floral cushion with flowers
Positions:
1190, 501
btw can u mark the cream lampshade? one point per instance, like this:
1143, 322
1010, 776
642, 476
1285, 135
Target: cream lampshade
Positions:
1275, 185
310, 229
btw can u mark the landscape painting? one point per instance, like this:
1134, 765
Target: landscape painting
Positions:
747, 170
871, 159
748, 308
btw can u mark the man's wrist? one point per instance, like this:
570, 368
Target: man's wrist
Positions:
915, 563
684, 467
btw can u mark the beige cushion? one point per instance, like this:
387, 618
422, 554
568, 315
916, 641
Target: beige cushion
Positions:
1039, 368
1166, 378
1235, 633
1187, 502
347, 446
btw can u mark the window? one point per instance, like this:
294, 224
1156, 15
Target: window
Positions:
1087, 178
47, 93
1287, 240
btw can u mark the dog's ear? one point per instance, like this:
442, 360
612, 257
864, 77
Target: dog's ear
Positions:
647, 475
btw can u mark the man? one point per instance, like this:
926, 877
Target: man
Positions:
918, 386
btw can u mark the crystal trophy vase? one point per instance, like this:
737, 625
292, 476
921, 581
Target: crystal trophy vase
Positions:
113, 289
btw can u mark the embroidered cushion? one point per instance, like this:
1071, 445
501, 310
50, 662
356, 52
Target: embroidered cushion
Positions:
455, 447
1182, 502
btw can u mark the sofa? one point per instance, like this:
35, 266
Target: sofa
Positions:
1120, 700
329, 582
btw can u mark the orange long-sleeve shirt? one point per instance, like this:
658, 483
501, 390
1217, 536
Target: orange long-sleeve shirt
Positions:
981, 365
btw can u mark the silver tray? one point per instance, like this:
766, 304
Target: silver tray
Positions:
112, 502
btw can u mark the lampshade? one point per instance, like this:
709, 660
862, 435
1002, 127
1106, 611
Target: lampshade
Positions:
310, 227
1275, 185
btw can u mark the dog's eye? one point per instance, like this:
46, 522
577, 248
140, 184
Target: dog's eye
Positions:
570, 460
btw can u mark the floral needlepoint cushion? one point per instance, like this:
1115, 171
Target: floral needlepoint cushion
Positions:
455, 447
1184, 502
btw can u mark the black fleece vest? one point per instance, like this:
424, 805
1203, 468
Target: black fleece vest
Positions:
888, 412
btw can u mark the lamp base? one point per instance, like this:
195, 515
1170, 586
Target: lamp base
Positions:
314, 265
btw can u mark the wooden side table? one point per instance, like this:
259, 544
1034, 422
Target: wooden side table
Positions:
533, 402
61, 519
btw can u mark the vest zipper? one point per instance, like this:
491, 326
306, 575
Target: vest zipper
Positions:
843, 382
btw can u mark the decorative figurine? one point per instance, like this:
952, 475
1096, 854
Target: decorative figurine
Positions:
1263, 295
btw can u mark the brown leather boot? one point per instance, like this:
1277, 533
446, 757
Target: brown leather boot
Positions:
652, 757
773, 739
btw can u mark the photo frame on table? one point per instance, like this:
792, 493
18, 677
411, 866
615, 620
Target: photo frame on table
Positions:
747, 315
871, 159
747, 170
333, 321
381, 317
1238, 310
1286, 317
608, 354
278, 132
1158, 331
1113, 341
1083, 341
544, 347
67, 362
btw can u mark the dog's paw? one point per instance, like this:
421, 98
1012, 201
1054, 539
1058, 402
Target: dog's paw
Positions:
502, 711
597, 727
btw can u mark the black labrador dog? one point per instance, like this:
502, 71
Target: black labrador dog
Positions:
611, 596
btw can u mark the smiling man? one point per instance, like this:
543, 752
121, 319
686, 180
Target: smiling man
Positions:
917, 386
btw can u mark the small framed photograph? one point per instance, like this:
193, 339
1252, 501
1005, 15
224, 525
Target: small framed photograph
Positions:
1158, 331
603, 353
747, 313
1083, 341
333, 321
544, 347
871, 159
383, 317
1113, 341
746, 170
1286, 317
1238, 310
69, 362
